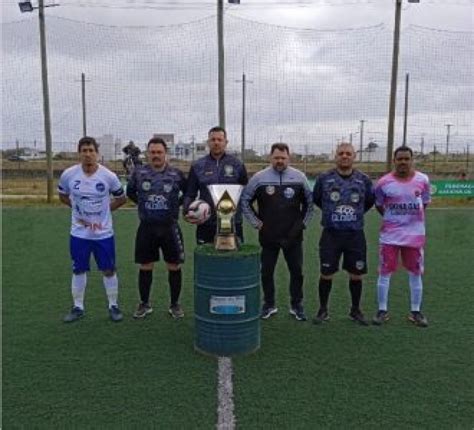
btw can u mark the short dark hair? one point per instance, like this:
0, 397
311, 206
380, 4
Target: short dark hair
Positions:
281, 147
402, 149
217, 129
157, 141
87, 141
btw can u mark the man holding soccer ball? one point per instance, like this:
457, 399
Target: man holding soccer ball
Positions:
218, 167
157, 189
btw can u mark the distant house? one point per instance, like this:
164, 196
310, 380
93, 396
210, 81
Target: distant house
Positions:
30, 154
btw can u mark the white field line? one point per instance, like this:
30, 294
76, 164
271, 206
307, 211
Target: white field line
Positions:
225, 395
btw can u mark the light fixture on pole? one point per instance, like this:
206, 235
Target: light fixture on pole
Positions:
26, 6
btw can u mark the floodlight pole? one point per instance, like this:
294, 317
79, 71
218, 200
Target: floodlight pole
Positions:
393, 84
220, 56
46, 109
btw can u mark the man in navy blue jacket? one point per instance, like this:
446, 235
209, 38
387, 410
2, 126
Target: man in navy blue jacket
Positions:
217, 167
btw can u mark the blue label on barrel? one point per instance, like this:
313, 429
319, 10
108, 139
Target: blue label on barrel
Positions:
227, 305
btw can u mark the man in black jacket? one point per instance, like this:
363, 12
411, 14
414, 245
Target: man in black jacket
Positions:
285, 207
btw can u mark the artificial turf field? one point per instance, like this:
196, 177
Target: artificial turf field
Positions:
97, 374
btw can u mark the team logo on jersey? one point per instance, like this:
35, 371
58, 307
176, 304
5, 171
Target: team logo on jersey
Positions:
100, 187
228, 170
156, 203
167, 188
289, 193
335, 196
344, 213
270, 190
360, 265
355, 197
146, 185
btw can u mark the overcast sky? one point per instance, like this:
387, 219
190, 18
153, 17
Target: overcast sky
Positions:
297, 53
329, 14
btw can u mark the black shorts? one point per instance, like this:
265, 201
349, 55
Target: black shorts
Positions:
350, 244
152, 237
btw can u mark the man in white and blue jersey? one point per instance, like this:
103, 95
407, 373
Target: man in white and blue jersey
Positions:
86, 189
157, 189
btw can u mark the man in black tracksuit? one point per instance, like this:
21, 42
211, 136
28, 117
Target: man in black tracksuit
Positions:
285, 207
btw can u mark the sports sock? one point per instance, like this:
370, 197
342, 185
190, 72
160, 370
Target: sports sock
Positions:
325, 286
174, 280
355, 287
416, 291
78, 288
145, 279
383, 285
111, 289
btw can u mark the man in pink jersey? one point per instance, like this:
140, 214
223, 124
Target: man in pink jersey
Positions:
401, 198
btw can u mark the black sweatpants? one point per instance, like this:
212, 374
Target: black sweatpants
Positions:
294, 260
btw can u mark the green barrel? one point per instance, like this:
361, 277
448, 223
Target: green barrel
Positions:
227, 300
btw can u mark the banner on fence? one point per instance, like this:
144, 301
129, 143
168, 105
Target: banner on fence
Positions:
452, 188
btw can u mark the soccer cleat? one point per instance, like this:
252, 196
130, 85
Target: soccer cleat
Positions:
268, 311
115, 314
142, 311
75, 314
321, 316
380, 317
298, 312
417, 318
176, 311
357, 316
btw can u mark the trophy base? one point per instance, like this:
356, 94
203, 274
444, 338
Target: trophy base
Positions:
226, 242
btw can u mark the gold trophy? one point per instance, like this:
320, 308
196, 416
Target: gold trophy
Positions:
226, 199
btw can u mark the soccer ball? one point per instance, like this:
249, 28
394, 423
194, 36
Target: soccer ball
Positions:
199, 212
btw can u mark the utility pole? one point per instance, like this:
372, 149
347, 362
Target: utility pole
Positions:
405, 114
46, 110
393, 84
84, 116
422, 145
448, 135
244, 98
26, 6
193, 150
220, 56
361, 139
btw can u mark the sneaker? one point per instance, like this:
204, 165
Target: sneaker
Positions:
298, 313
75, 314
143, 310
176, 311
357, 316
380, 317
418, 319
321, 316
115, 314
268, 311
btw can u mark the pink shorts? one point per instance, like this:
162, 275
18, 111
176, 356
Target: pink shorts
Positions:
412, 259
